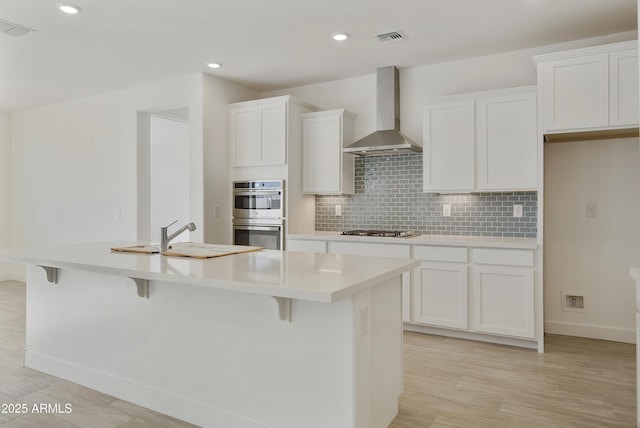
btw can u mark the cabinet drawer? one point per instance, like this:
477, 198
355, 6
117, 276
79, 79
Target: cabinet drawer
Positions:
308, 246
373, 249
440, 254
503, 257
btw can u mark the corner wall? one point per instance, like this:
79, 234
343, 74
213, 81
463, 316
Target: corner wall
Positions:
5, 190
218, 94
75, 163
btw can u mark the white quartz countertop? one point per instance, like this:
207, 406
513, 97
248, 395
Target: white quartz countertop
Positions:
295, 275
444, 240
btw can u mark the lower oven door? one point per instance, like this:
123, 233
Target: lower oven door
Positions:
269, 237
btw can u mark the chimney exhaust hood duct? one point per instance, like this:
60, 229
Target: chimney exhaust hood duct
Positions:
387, 139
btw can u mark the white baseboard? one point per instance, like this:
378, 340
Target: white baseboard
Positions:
159, 401
614, 334
532, 344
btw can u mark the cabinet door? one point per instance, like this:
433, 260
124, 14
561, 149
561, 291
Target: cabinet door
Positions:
623, 89
244, 136
440, 295
449, 153
503, 301
506, 142
273, 134
322, 154
575, 92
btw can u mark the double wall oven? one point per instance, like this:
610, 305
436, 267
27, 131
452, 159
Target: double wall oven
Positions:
258, 213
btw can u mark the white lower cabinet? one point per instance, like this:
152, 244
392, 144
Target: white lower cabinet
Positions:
471, 292
479, 290
503, 301
440, 295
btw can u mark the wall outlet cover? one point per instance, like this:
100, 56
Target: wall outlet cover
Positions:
446, 210
517, 210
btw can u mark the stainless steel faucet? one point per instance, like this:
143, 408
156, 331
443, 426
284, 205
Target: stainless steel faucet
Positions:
164, 239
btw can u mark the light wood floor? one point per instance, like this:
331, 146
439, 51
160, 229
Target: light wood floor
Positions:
448, 383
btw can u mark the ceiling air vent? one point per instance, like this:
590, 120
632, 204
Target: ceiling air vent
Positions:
14, 30
391, 36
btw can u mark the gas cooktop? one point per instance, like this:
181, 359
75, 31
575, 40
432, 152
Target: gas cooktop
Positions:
385, 233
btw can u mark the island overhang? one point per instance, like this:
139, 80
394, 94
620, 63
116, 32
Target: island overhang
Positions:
205, 347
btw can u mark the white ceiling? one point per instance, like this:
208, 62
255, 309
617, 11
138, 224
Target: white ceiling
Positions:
269, 44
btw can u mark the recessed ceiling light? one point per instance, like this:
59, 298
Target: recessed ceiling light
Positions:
340, 36
69, 8
214, 65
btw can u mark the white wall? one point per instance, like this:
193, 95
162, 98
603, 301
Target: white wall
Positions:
5, 189
591, 257
76, 166
75, 162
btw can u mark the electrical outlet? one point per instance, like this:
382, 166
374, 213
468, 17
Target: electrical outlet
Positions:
592, 210
338, 210
446, 210
517, 210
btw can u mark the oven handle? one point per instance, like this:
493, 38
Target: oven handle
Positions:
258, 192
265, 228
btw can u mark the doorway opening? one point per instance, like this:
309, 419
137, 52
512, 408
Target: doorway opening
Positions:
163, 172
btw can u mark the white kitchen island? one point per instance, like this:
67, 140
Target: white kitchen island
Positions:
261, 339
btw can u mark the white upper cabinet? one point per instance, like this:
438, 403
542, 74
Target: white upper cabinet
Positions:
272, 133
449, 146
575, 92
623, 88
506, 142
589, 89
325, 168
263, 132
481, 142
258, 133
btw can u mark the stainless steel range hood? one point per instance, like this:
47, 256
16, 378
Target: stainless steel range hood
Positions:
387, 139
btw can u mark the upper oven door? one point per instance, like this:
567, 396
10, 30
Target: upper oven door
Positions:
258, 204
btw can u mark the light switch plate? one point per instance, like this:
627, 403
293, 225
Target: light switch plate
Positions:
592, 210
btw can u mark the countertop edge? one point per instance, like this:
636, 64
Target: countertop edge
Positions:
437, 240
328, 296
